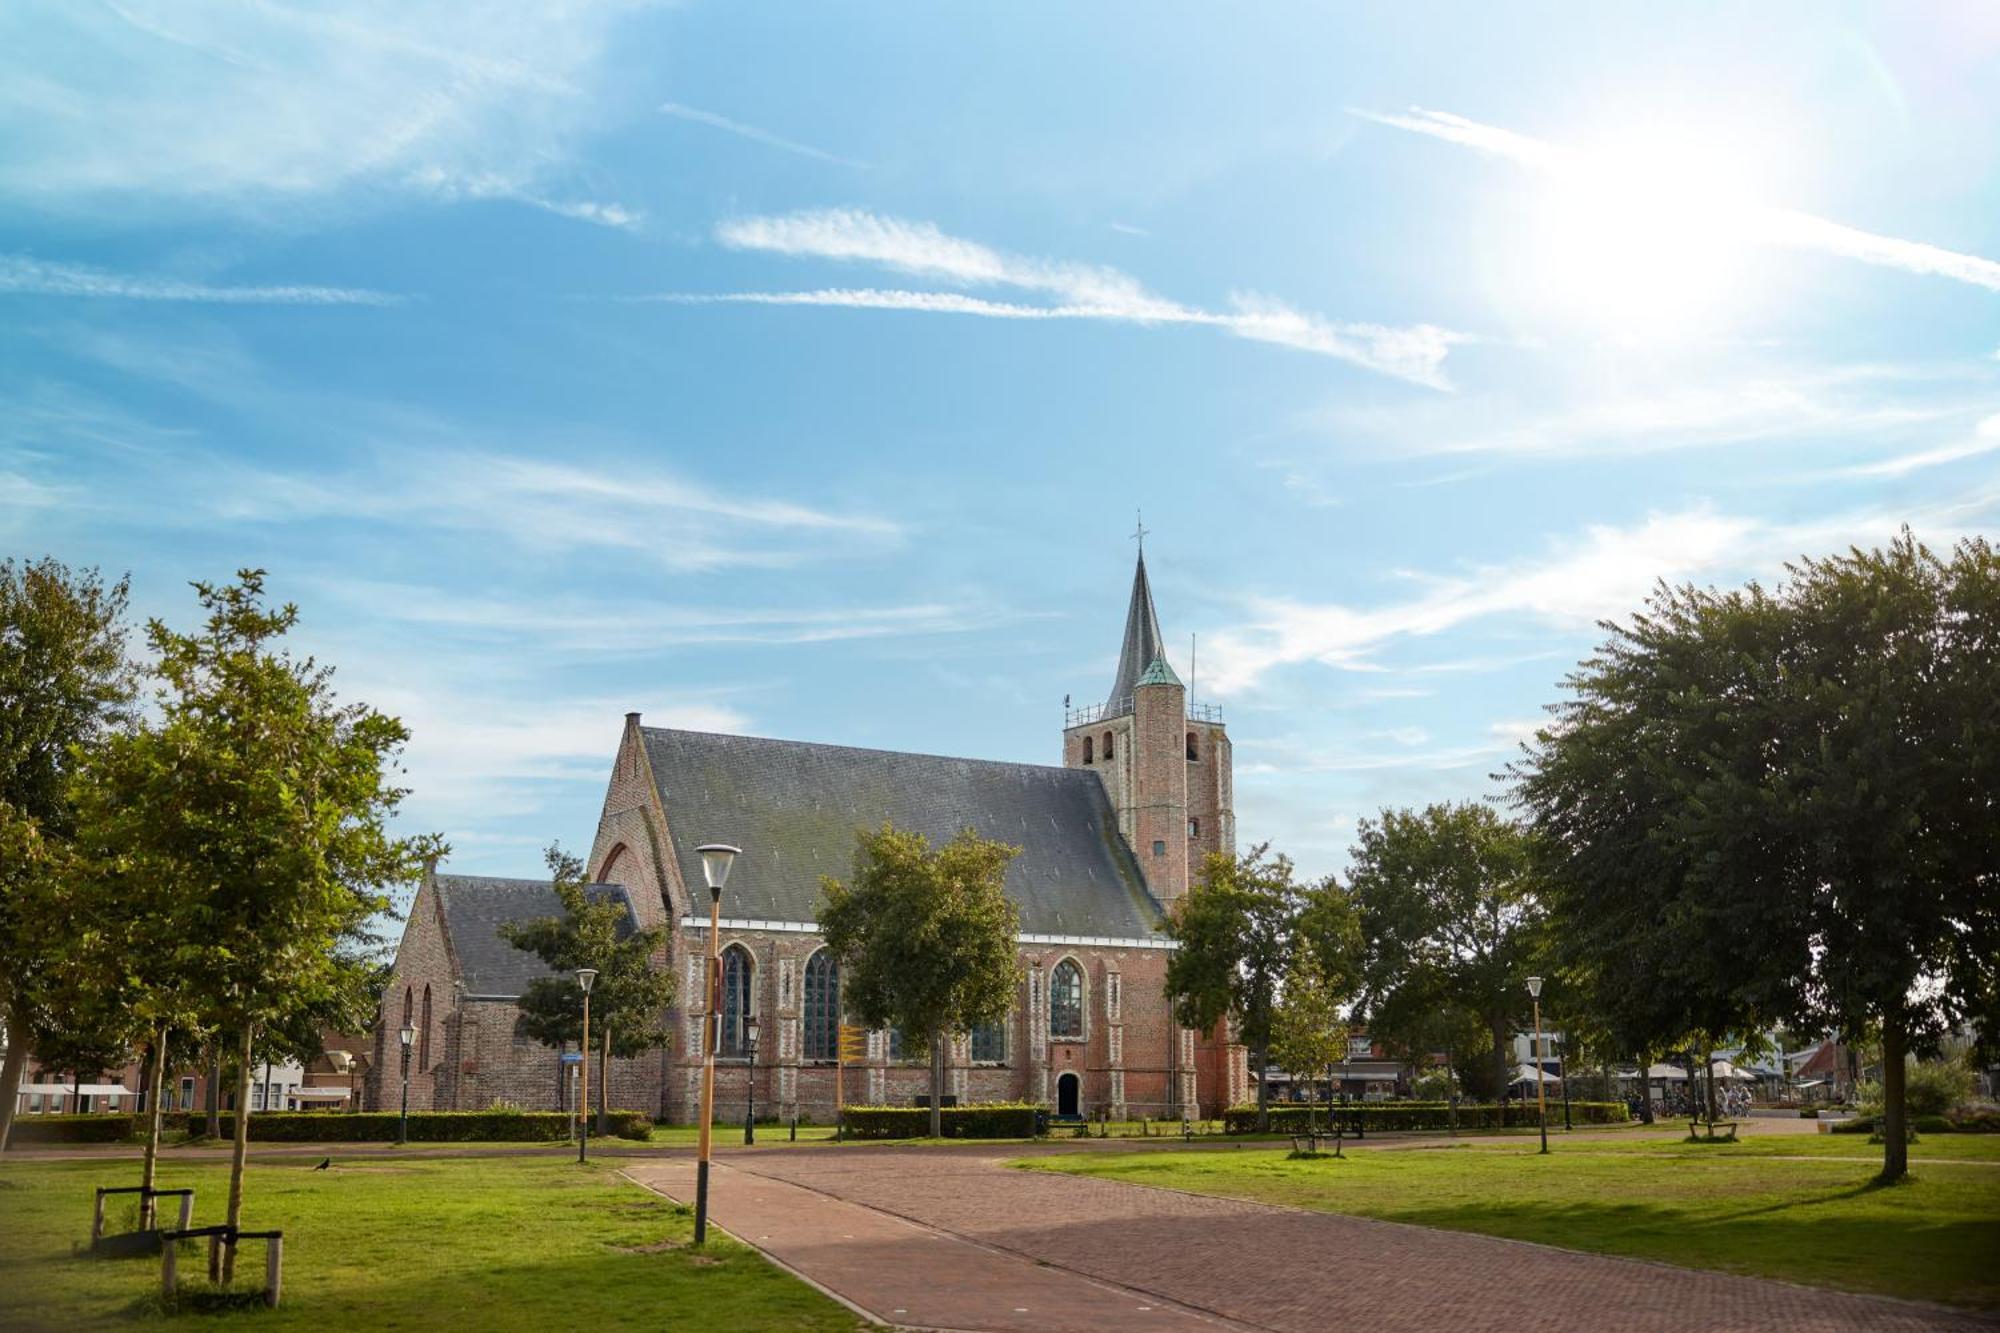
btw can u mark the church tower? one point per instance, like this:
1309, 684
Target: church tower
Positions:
1164, 763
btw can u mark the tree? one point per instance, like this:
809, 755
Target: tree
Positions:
629, 999
65, 684
1450, 915
1233, 934
259, 804
1767, 807
1308, 1037
925, 939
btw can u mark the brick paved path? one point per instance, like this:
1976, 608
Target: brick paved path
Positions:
1263, 1266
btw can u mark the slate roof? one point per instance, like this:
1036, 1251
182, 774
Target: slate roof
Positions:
795, 808
474, 907
1142, 647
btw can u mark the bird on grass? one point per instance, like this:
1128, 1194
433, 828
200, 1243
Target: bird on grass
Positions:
324, 1163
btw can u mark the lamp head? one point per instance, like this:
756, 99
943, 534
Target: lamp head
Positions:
585, 976
716, 859
1535, 987
750, 1029
408, 1034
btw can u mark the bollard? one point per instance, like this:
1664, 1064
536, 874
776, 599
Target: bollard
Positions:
795, 1129
274, 1269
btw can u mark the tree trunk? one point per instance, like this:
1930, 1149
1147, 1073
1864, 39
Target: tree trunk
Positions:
1500, 1070
1451, 1088
1708, 1064
937, 1084
214, 1098
13, 1069
604, 1085
237, 1152
155, 1081
1895, 1137
1645, 1087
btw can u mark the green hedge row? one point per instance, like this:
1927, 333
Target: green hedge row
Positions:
999, 1120
1960, 1122
1379, 1116
425, 1126
71, 1129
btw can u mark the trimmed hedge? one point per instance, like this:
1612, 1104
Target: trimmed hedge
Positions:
1380, 1116
1961, 1122
425, 1126
72, 1129
998, 1120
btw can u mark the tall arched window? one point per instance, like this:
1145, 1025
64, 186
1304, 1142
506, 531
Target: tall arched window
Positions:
409, 1005
737, 975
1089, 751
424, 1034
1066, 1000
1107, 745
1194, 753
822, 1007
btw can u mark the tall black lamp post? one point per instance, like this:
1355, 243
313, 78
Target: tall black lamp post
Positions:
584, 976
750, 1086
409, 1037
1541, 1087
716, 859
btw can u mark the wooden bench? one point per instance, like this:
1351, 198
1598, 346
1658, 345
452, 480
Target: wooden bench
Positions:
1700, 1129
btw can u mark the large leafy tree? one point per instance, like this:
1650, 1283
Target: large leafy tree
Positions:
926, 938
1450, 915
629, 999
1778, 806
1233, 934
65, 684
259, 804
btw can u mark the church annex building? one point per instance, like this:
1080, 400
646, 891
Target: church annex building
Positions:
1108, 842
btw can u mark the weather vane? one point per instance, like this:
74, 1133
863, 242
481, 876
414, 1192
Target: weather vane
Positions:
1139, 532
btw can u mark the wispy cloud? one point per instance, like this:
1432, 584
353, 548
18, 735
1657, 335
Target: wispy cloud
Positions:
445, 185
1605, 573
752, 133
250, 106
1747, 220
1985, 440
1071, 291
33, 277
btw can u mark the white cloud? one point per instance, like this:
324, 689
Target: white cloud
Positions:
34, 277
752, 133
1073, 291
244, 104
1747, 220
1985, 439
441, 183
1606, 573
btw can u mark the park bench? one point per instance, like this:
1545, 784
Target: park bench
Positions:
274, 1256
1707, 1129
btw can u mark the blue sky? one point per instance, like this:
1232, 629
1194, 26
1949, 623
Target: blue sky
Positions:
798, 370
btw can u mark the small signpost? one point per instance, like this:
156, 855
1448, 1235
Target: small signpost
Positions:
852, 1045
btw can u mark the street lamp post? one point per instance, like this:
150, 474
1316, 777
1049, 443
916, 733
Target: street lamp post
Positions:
584, 976
1541, 1088
750, 1087
409, 1037
716, 859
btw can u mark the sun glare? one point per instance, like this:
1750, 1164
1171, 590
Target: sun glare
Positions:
1644, 242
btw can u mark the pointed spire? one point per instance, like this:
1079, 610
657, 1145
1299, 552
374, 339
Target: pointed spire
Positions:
1143, 644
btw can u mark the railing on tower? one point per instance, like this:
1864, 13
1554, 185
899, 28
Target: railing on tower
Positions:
1088, 713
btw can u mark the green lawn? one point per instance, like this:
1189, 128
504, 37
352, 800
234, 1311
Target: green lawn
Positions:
1741, 1209
1929, 1147
493, 1243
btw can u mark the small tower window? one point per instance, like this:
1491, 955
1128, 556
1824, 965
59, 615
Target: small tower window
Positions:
1194, 751
1194, 828
1088, 752
1159, 848
1107, 745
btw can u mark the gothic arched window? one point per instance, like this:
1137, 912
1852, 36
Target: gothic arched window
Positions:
1066, 1000
1089, 751
822, 1014
424, 1034
989, 1043
1107, 745
737, 974
1194, 753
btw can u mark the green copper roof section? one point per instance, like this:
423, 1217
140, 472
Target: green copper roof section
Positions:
1159, 673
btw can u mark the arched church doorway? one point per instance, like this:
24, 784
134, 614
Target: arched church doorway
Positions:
1068, 1094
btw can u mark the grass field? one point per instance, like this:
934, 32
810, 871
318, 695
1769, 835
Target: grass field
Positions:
491, 1243
1765, 1207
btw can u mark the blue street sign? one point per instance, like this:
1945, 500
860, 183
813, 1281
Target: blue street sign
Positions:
571, 1057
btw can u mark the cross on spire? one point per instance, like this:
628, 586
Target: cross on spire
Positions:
1139, 532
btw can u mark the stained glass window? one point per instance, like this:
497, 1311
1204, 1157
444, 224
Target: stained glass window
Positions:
822, 1006
737, 970
1066, 1000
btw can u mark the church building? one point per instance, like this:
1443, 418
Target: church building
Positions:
1109, 840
